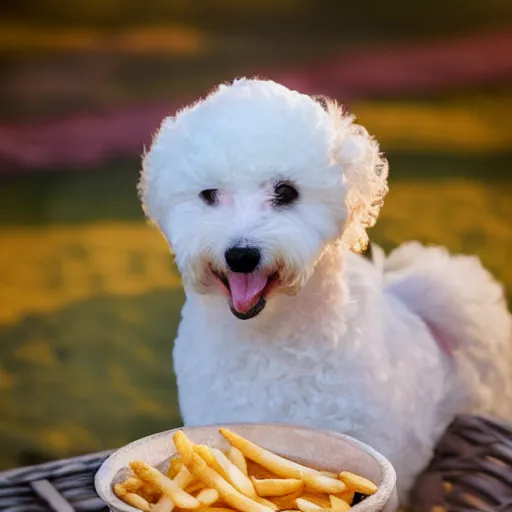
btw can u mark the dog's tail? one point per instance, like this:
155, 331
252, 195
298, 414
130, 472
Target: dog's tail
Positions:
465, 310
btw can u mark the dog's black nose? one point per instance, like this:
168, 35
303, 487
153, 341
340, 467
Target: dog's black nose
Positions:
242, 259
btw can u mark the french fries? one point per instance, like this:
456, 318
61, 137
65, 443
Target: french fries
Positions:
338, 505
133, 484
245, 478
184, 447
207, 455
308, 506
277, 486
164, 484
278, 465
227, 492
131, 498
207, 497
347, 496
184, 478
164, 504
286, 502
234, 475
358, 483
320, 499
321, 483
220, 509
195, 487
329, 474
267, 503
283, 467
174, 466
238, 459
258, 471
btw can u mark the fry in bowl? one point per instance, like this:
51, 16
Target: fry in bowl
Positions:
244, 478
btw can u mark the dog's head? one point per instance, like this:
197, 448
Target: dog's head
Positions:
251, 184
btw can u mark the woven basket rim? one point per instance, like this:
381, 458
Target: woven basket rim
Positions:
11, 474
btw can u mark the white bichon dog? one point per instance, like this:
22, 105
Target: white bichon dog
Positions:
262, 192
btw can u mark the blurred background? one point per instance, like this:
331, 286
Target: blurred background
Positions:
90, 299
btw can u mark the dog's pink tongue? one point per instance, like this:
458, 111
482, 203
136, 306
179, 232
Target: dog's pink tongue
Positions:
246, 289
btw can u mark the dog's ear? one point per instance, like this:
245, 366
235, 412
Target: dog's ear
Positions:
148, 185
365, 173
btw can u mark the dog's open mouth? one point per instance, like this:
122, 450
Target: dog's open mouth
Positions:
247, 292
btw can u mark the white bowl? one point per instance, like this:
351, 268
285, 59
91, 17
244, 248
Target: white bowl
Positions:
320, 449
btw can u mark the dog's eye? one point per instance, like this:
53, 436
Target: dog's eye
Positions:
285, 194
209, 196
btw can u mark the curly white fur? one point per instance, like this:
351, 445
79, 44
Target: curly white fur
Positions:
387, 351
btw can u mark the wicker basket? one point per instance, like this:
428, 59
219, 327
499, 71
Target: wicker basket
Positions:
60, 486
471, 469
